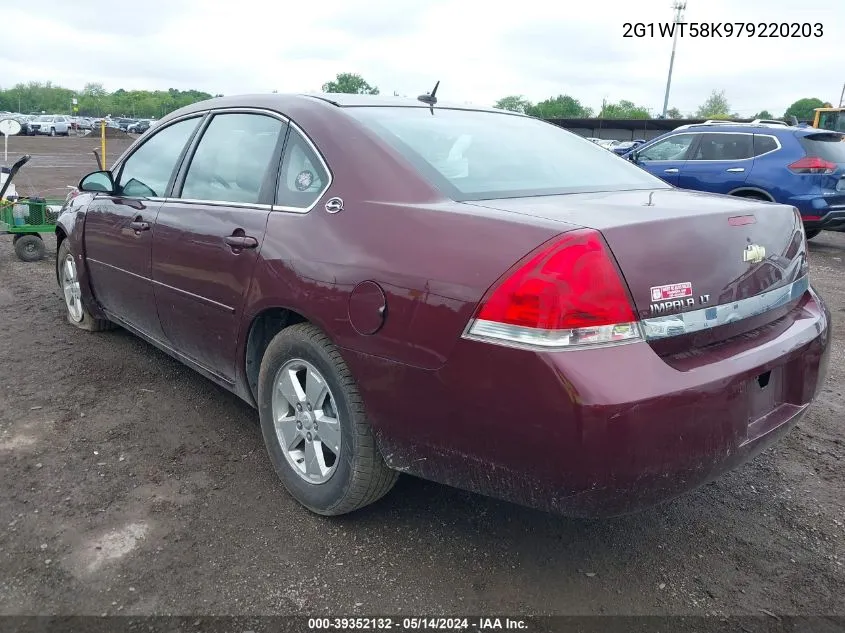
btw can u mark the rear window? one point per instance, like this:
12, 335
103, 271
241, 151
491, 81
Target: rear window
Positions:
829, 146
474, 155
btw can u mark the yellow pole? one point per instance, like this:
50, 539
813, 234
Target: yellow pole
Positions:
103, 142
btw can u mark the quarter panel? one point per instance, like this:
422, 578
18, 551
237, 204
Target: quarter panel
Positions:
433, 262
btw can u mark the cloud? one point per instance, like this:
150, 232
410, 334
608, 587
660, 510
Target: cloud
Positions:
479, 50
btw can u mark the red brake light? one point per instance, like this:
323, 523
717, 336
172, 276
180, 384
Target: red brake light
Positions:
567, 293
812, 165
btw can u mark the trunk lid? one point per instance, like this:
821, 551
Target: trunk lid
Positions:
682, 251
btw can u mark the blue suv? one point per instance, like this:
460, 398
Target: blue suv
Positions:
800, 166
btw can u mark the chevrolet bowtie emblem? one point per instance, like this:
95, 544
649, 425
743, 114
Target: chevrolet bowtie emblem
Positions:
754, 254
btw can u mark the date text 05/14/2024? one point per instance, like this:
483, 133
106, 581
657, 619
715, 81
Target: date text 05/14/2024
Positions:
417, 624
723, 29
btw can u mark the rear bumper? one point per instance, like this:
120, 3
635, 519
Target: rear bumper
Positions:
599, 432
823, 212
833, 220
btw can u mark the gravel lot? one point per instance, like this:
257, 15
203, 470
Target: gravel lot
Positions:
132, 485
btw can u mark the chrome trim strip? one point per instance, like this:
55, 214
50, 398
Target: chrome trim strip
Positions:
661, 327
221, 203
199, 298
526, 338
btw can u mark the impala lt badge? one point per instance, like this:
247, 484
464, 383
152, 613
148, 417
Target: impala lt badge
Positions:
754, 254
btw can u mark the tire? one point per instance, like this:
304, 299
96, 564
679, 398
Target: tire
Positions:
811, 233
30, 248
52, 131
76, 313
358, 475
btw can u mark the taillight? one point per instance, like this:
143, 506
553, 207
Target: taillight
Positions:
566, 294
812, 165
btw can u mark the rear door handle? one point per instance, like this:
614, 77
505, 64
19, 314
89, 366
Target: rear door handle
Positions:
139, 225
241, 241
735, 170
671, 171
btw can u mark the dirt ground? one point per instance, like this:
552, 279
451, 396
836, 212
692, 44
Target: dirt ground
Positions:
132, 485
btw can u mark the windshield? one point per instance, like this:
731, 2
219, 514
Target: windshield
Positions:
473, 155
829, 146
46, 119
832, 121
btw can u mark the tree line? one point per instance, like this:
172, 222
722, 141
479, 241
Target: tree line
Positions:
94, 100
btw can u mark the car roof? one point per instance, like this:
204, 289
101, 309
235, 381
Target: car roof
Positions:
732, 127
283, 102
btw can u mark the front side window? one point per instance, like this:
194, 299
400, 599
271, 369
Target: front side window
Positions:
672, 148
303, 178
473, 155
146, 173
724, 147
233, 158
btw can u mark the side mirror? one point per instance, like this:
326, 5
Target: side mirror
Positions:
633, 156
98, 182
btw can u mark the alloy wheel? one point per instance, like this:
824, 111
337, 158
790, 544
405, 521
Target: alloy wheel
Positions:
306, 420
71, 288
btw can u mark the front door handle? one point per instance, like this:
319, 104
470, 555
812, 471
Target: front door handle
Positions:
241, 241
139, 225
735, 170
671, 171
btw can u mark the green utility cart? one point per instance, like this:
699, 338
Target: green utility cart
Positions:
26, 218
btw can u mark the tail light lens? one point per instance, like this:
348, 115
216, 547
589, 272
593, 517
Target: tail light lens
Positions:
567, 294
812, 165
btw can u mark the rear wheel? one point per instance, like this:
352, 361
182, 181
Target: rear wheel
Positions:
315, 427
811, 233
30, 248
68, 277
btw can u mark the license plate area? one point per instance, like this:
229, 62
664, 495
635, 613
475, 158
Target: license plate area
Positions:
765, 393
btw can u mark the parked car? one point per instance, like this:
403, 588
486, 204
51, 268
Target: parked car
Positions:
139, 127
546, 324
624, 147
802, 167
53, 125
607, 143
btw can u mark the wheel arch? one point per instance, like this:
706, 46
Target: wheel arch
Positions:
262, 328
743, 192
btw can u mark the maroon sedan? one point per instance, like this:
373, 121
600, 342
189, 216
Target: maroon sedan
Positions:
471, 296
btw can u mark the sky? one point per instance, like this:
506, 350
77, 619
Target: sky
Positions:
478, 50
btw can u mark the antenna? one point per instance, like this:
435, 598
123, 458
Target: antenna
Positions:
430, 98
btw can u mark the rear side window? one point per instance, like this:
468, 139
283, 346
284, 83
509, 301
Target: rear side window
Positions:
764, 144
304, 177
233, 158
829, 146
146, 173
724, 147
